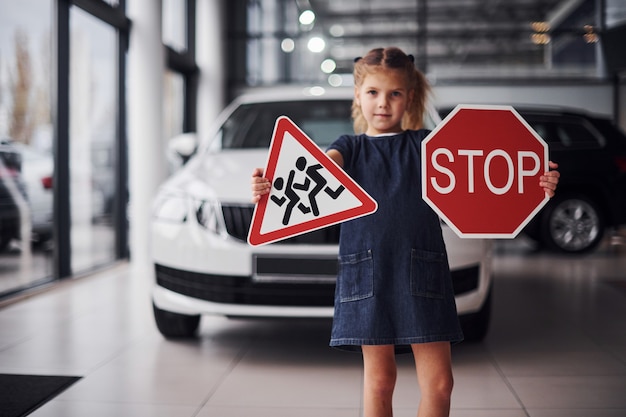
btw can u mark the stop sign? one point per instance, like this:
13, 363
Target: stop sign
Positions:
481, 169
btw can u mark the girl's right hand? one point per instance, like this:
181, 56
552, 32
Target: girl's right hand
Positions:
259, 185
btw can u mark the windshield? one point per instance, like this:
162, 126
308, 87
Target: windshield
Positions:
251, 125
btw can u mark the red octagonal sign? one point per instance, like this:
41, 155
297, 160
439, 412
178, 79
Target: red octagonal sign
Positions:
481, 169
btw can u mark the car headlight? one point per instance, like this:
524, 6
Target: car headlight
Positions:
209, 215
171, 208
180, 208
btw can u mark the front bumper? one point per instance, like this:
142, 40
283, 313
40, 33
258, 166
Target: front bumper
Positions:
198, 272
188, 292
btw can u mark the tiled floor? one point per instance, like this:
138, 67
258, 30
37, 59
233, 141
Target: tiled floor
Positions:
556, 348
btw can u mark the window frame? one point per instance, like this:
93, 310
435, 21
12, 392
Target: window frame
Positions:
116, 17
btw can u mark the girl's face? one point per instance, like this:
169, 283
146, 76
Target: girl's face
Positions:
383, 98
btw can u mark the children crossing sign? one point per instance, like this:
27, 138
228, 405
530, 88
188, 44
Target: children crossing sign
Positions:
309, 190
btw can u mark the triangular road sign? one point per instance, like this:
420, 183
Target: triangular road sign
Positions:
309, 190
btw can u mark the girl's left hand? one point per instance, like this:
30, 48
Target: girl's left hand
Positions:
259, 185
550, 179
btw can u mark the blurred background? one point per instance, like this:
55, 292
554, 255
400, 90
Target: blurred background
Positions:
91, 91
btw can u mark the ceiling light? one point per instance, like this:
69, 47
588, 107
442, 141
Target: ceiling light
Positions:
328, 66
316, 44
590, 36
307, 17
540, 38
287, 45
540, 27
336, 30
335, 80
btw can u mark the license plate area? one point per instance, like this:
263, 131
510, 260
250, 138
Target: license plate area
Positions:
294, 269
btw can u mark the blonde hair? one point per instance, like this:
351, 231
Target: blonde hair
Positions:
394, 59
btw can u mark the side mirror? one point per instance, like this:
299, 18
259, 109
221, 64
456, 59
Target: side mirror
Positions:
183, 145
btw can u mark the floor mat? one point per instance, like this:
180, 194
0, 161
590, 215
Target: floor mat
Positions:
20, 395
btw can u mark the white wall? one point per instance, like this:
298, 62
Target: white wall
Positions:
594, 98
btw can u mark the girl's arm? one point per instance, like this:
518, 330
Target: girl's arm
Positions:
335, 155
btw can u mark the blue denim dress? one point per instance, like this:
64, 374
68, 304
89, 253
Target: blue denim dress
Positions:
394, 285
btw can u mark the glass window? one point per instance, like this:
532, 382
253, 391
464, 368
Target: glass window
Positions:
93, 121
173, 111
173, 103
615, 13
26, 165
251, 125
175, 24
577, 134
567, 133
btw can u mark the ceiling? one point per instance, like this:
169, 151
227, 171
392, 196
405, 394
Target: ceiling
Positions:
449, 33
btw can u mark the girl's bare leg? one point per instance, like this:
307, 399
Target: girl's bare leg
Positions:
433, 363
379, 364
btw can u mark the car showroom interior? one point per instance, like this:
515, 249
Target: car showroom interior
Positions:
177, 232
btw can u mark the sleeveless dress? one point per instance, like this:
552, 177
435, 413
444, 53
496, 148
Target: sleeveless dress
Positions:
394, 285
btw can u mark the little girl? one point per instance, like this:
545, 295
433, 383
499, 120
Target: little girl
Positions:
394, 289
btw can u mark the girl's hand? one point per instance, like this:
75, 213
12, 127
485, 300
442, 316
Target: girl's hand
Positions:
550, 179
259, 185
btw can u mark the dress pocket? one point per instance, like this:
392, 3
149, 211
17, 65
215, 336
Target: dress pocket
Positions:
428, 272
356, 272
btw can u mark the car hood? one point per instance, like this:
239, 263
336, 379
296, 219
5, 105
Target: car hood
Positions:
224, 175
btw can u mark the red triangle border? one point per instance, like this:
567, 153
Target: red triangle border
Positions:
368, 204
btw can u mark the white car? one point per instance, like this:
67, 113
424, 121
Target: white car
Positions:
35, 180
202, 214
37, 172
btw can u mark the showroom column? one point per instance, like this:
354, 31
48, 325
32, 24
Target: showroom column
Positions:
211, 60
147, 165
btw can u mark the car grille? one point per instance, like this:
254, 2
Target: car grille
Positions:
238, 218
245, 290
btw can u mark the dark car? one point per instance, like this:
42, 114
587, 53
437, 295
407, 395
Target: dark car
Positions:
591, 197
12, 192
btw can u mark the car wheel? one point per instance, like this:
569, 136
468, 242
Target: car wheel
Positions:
175, 325
572, 224
475, 325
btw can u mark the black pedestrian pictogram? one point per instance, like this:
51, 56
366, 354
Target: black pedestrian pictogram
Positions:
292, 198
